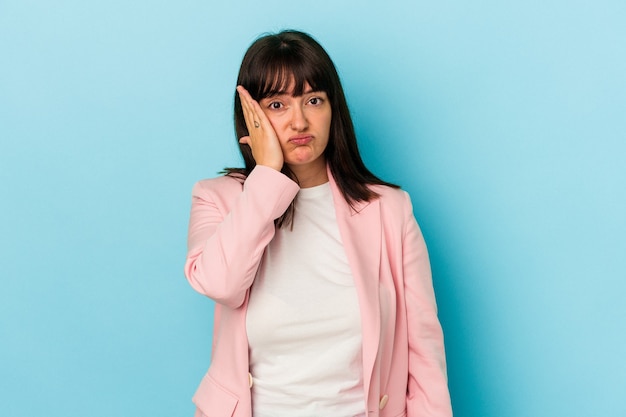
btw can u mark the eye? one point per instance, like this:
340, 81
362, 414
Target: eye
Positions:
315, 101
275, 105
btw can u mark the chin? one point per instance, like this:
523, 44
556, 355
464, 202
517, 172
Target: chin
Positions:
303, 160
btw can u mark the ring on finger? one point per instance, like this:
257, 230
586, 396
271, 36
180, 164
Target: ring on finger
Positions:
256, 124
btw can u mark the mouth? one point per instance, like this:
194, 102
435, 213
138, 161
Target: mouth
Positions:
299, 140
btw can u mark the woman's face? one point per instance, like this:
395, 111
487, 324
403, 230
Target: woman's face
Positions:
302, 124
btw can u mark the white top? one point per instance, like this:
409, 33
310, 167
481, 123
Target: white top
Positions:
303, 319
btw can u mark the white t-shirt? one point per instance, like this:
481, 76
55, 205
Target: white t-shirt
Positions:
303, 319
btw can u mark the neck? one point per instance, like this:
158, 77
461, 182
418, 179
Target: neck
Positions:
311, 175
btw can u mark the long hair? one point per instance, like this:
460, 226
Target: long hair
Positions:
271, 64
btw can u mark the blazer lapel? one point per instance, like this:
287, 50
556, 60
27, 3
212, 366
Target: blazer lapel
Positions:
360, 229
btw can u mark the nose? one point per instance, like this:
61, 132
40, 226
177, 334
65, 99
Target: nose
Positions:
299, 121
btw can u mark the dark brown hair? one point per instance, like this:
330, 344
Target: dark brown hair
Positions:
269, 66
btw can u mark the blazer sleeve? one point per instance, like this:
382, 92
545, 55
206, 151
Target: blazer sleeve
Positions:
427, 393
227, 238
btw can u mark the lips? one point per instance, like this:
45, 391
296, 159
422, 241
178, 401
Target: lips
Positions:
300, 140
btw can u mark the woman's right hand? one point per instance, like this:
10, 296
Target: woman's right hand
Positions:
262, 138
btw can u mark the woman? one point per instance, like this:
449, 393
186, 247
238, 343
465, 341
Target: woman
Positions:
324, 299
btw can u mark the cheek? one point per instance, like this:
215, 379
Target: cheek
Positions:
328, 123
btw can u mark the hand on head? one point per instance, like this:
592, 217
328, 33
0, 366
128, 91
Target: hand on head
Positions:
262, 138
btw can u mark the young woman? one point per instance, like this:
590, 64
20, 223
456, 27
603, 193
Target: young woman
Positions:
324, 299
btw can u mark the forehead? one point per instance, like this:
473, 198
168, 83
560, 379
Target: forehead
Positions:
294, 81
292, 90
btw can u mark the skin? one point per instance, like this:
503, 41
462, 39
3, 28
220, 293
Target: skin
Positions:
293, 130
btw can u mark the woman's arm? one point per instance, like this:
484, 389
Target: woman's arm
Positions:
427, 393
225, 248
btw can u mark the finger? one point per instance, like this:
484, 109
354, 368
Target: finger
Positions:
244, 140
243, 92
244, 98
252, 110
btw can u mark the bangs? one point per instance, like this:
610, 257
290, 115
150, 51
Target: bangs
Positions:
280, 73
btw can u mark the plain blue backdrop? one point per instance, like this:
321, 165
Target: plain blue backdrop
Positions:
505, 121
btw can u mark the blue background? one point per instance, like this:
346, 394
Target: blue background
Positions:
504, 120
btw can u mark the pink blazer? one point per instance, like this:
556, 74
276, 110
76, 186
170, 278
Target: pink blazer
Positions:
404, 367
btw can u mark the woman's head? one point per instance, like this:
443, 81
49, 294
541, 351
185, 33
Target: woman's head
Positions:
291, 61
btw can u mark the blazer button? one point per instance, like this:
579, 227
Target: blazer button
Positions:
250, 380
383, 401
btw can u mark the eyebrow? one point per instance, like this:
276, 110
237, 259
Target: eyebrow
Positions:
286, 93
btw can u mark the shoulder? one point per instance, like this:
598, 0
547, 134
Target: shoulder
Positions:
392, 197
397, 217
218, 185
395, 206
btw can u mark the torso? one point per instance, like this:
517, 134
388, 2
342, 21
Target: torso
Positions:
303, 320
